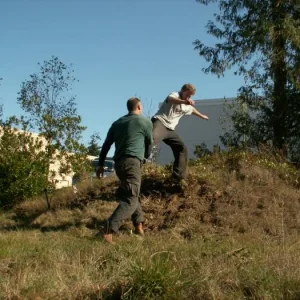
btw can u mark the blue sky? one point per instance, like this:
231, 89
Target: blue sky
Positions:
118, 49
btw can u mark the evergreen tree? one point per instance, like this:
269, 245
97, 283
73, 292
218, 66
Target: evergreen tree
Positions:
93, 146
261, 40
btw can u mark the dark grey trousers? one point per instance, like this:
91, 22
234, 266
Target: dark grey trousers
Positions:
128, 170
171, 138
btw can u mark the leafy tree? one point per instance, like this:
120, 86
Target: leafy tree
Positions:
201, 150
261, 40
23, 165
51, 110
93, 146
1, 106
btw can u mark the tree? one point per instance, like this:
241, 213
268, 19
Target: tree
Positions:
261, 40
201, 150
1, 106
23, 165
51, 110
93, 146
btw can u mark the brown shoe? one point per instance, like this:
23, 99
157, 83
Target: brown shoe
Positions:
106, 234
108, 238
139, 229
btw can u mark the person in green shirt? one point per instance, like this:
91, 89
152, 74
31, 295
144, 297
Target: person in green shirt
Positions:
132, 135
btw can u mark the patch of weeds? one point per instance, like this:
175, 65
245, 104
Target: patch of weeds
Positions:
156, 278
259, 282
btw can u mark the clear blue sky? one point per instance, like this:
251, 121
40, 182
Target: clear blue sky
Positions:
119, 49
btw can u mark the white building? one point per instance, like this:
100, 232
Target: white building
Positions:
195, 131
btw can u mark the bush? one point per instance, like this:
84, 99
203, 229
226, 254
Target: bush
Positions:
23, 168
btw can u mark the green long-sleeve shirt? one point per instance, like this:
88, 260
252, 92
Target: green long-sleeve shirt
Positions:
132, 135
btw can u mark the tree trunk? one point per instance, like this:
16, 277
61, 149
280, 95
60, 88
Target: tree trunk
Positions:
279, 76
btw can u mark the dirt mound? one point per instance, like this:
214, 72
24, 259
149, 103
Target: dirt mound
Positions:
240, 194
251, 197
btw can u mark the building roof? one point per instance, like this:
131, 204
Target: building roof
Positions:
215, 101
210, 102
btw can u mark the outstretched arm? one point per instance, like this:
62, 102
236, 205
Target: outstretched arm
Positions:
198, 114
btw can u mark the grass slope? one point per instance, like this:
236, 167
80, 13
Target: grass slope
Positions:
230, 232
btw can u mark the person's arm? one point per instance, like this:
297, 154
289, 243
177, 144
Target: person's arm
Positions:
198, 114
104, 150
148, 138
175, 100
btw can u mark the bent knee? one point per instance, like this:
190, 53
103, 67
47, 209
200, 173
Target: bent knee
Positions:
156, 139
182, 147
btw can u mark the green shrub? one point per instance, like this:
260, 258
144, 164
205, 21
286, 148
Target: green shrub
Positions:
23, 168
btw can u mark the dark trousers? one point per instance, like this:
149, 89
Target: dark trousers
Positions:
128, 170
171, 138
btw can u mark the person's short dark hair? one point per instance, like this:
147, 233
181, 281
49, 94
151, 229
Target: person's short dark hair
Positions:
133, 103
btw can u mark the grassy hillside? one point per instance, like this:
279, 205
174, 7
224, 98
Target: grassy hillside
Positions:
231, 231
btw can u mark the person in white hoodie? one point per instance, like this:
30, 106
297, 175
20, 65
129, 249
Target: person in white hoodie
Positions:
175, 106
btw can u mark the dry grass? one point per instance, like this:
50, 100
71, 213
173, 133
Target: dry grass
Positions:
230, 232
72, 265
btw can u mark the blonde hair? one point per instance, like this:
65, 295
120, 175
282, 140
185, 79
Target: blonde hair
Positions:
188, 87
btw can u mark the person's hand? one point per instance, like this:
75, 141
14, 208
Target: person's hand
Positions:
190, 102
99, 171
204, 117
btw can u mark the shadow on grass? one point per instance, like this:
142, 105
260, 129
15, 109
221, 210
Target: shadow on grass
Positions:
26, 224
26, 215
